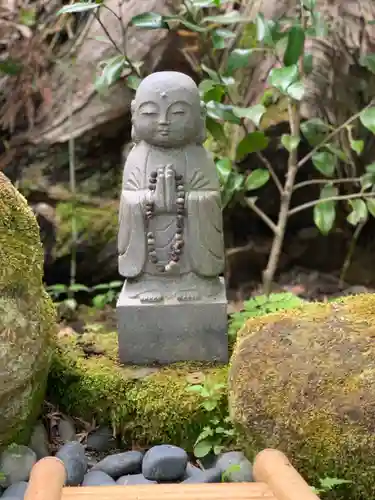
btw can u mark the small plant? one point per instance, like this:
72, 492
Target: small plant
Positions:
108, 296
328, 484
218, 433
260, 305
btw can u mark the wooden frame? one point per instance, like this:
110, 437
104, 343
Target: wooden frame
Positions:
276, 479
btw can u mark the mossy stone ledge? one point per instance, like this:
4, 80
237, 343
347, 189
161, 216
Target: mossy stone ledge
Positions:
27, 318
303, 381
146, 405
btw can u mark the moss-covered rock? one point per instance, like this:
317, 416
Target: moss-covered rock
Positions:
303, 381
26, 317
146, 405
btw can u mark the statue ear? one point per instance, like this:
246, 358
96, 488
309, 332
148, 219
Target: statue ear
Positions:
132, 107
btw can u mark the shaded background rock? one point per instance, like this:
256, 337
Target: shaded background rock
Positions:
303, 381
26, 318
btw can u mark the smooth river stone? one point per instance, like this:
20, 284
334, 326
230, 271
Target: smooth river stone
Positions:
206, 476
134, 479
73, 457
164, 463
16, 490
16, 463
121, 464
97, 478
235, 467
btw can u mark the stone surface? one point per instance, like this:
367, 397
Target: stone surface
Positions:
16, 491
134, 479
16, 462
206, 476
101, 439
66, 428
235, 467
97, 478
101, 388
27, 318
164, 463
195, 330
191, 470
73, 456
303, 381
121, 464
39, 441
170, 241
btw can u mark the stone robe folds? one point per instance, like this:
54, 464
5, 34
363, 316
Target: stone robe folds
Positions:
203, 234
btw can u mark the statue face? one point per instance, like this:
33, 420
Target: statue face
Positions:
166, 120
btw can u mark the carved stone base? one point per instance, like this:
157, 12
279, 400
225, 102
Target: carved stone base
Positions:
172, 331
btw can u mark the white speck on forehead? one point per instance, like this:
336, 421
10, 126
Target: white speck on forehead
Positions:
163, 94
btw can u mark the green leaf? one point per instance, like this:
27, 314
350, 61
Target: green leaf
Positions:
254, 113
133, 81
216, 129
111, 72
149, 20
370, 202
195, 388
314, 130
265, 30
209, 405
307, 64
295, 46
370, 168
220, 37
357, 146
100, 301
206, 432
359, 212
78, 288
202, 449
325, 211
191, 26
251, 143
116, 284
309, 4
219, 111
218, 448
367, 118
289, 142
78, 7
324, 162
258, 178
328, 483
224, 168
368, 61
282, 78
238, 58
231, 17
10, 67
296, 91
214, 75
367, 180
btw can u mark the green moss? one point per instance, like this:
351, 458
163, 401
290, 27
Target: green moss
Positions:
27, 317
96, 225
145, 405
303, 381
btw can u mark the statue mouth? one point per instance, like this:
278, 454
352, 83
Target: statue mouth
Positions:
163, 131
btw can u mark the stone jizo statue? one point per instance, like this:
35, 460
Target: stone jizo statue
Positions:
170, 240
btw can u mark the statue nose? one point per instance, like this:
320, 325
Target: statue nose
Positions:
163, 120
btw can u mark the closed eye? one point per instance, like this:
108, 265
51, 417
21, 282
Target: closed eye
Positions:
179, 112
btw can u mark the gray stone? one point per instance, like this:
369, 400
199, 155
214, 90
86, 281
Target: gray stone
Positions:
101, 440
121, 464
235, 467
170, 241
191, 470
16, 490
16, 463
206, 476
67, 431
164, 463
97, 478
73, 456
134, 479
39, 441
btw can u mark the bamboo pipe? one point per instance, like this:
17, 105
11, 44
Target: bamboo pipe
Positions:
47, 479
273, 467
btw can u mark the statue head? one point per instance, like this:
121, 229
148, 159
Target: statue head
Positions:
167, 111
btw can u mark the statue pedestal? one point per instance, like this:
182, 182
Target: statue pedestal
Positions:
172, 331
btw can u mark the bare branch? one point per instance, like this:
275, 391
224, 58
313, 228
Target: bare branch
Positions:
269, 167
325, 181
310, 204
262, 215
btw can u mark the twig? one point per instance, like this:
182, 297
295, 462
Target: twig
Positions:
325, 181
269, 167
97, 17
333, 134
310, 204
262, 215
349, 255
